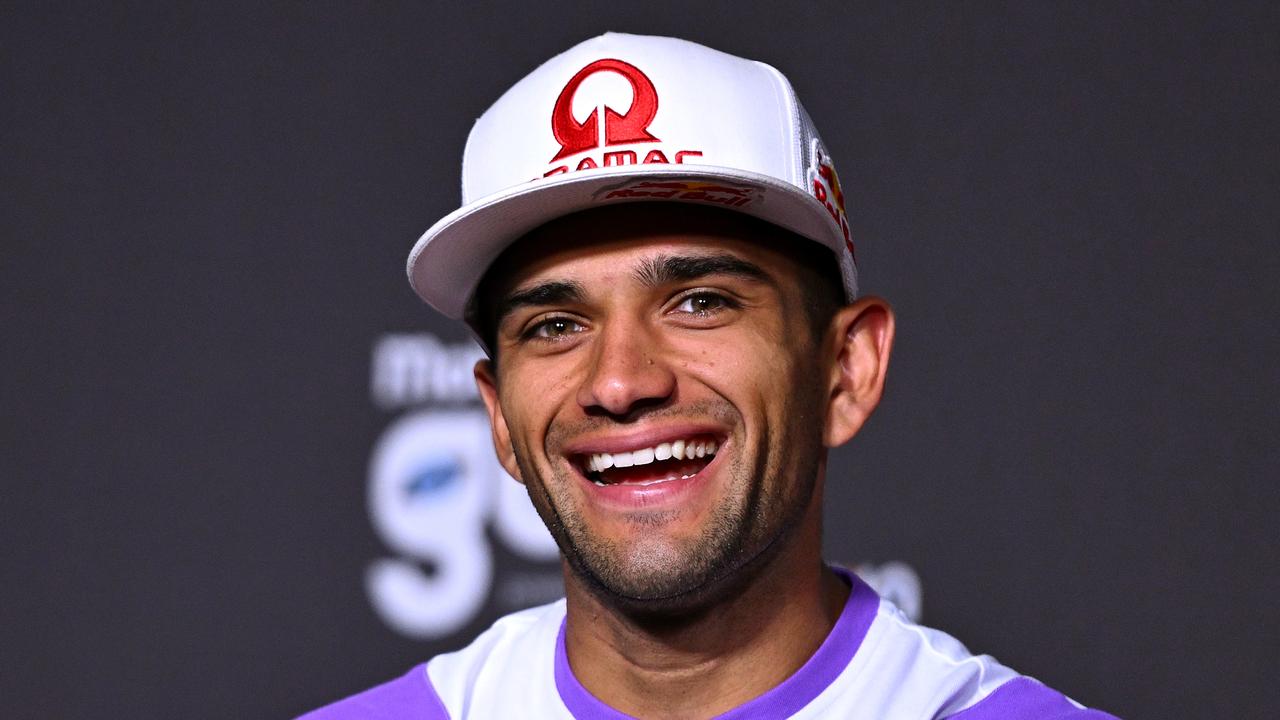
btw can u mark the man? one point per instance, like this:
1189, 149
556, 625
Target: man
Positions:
654, 251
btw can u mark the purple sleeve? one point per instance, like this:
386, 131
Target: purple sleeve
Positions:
1025, 699
410, 697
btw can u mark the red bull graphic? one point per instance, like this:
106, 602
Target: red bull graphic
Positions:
716, 193
826, 188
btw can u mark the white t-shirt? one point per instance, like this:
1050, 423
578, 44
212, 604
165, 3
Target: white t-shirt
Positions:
874, 665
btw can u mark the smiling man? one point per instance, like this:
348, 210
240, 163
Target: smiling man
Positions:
653, 250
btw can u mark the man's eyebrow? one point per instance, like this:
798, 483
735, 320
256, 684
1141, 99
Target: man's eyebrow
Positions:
546, 293
665, 269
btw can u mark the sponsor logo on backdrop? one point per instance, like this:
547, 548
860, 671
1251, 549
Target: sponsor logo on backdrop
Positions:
606, 127
440, 501
445, 509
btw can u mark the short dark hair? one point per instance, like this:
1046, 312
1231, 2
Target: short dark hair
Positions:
823, 287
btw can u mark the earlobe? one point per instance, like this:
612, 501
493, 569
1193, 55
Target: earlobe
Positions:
487, 383
861, 340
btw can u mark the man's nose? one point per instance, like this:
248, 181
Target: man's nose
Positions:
627, 371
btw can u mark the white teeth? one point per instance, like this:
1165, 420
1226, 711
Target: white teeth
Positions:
643, 483
679, 450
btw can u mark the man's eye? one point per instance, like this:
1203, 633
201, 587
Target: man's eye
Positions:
552, 328
703, 303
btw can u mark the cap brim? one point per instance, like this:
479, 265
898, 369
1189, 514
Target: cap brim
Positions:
449, 259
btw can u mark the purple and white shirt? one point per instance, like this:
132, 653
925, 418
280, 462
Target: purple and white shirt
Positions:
875, 665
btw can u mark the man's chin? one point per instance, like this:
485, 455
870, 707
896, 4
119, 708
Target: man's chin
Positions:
656, 600
658, 588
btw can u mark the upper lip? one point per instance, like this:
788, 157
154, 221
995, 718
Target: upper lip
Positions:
641, 438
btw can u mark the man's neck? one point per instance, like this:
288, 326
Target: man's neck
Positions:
716, 659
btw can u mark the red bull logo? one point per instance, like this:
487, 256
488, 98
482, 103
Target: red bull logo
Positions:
716, 193
827, 190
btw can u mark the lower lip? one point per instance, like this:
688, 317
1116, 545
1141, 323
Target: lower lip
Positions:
653, 496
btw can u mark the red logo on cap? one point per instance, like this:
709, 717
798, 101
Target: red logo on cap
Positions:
619, 129
826, 188
722, 192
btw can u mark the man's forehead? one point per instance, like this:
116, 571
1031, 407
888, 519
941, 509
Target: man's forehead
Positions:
645, 263
643, 242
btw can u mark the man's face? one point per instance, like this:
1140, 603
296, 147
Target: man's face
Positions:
662, 390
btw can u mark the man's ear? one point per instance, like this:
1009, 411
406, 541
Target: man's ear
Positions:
860, 339
487, 382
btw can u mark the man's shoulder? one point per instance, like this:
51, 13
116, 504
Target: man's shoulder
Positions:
1026, 699
408, 697
519, 642
929, 672
508, 670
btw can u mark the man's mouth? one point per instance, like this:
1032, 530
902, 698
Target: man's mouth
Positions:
664, 462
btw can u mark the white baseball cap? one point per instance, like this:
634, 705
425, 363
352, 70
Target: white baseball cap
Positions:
631, 118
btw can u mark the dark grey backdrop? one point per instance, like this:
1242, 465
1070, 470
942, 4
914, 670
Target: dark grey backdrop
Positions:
206, 214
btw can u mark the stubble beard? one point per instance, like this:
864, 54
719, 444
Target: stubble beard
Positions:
652, 570
657, 575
